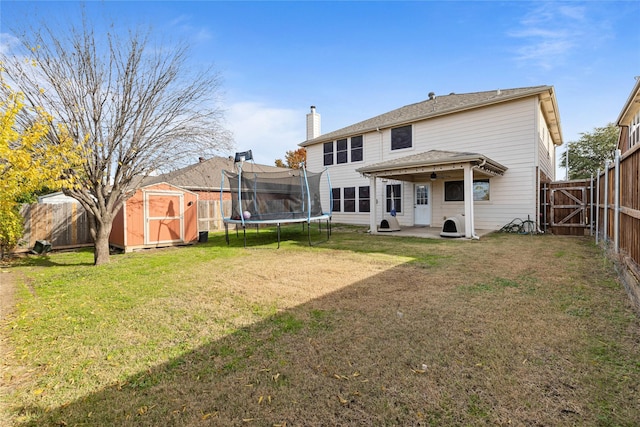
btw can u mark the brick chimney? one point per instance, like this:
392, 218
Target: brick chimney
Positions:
313, 124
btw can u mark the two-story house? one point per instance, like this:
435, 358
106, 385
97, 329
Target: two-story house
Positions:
482, 155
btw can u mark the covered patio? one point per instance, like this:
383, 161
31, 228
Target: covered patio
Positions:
427, 232
428, 166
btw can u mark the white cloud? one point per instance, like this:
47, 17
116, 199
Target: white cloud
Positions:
7, 42
182, 23
269, 132
551, 33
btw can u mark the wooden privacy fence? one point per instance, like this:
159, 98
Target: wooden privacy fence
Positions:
64, 225
209, 218
618, 206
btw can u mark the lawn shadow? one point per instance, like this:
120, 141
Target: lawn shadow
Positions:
44, 260
397, 348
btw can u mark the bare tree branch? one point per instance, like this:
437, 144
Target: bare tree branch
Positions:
133, 108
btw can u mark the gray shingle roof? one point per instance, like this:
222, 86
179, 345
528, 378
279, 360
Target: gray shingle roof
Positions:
433, 107
431, 158
206, 175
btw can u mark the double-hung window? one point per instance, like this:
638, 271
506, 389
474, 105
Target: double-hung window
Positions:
401, 137
341, 151
350, 199
335, 195
364, 201
327, 150
356, 148
394, 197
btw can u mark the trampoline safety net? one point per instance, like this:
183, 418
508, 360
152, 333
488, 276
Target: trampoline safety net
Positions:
291, 195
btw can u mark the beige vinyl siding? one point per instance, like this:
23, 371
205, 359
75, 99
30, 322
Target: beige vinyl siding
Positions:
343, 175
504, 133
546, 148
508, 133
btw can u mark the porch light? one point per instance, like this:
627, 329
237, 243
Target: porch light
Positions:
433, 176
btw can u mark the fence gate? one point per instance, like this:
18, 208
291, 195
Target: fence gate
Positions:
567, 207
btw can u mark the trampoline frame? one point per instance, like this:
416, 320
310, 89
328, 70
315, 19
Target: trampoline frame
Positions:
307, 218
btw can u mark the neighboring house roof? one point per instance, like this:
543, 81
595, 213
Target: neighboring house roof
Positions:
206, 175
449, 104
57, 197
631, 107
404, 165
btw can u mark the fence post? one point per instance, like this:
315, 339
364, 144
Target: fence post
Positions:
605, 205
591, 206
616, 202
597, 206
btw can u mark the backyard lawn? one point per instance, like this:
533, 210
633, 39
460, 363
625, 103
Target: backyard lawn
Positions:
360, 330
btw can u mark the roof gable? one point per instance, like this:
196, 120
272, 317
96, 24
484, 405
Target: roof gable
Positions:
631, 107
449, 104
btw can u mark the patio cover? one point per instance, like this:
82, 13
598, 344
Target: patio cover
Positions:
419, 167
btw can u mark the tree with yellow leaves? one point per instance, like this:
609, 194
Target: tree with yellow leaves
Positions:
132, 103
28, 161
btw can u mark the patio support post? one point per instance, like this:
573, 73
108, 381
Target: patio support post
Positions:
373, 208
468, 202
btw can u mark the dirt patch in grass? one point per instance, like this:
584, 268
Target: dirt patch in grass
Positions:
363, 330
8, 371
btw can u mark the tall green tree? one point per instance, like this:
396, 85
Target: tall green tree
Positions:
131, 104
591, 151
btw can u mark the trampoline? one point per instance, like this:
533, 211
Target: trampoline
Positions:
274, 198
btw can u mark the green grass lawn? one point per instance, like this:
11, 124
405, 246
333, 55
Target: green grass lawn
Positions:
360, 330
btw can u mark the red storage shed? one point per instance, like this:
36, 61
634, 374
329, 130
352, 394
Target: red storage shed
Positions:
157, 215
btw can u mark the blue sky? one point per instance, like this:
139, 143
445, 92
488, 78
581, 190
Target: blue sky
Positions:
355, 60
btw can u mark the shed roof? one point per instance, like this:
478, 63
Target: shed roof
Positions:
449, 104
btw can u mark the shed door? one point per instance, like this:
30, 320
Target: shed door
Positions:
422, 204
164, 217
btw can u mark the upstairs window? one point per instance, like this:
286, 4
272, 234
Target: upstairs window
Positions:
401, 137
356, 148
328, 153
341, 151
